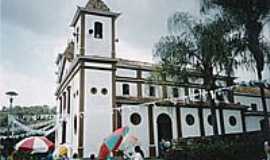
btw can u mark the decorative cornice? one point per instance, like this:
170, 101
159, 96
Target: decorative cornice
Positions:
98, 5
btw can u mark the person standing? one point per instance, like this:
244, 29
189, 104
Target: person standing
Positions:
267, 150
138, 155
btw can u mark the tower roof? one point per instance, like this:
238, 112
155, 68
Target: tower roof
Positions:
97, 5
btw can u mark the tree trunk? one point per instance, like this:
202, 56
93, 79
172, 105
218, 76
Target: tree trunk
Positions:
212, 106
265, 112
229, 82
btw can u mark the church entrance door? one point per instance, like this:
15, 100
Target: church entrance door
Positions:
164, 126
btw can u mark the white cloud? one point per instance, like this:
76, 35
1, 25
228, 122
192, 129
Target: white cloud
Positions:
32, 90
127, 51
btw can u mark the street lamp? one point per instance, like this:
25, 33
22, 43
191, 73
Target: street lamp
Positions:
11, 95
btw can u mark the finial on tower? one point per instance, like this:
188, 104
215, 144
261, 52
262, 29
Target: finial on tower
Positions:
97, 5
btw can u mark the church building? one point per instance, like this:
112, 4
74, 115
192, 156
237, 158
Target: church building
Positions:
98, 93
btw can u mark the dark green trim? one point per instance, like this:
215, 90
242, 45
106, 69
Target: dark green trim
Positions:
81, 90
222, 124
179, 123
201, 121
243, 122
152, 148
139, 84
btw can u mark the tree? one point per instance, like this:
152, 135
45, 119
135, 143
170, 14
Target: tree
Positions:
251, 16
196, 44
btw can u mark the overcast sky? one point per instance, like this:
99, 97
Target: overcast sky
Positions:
33, 32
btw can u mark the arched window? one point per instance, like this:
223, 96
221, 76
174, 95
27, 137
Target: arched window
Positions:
75, 124
65, 101
125, 89
98, 30
197, 94
77, 35
152, 91
68, 99
175, 92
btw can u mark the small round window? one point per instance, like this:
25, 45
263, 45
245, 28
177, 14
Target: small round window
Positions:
93, 90
135, 119
209, 119
104, 91
190, 119
232, 121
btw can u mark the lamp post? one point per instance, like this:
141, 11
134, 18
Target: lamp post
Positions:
12, 95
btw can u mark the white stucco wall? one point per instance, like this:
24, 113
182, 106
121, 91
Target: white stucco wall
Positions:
253, 123
248, 100
207, 127
71, 138
146, 74
77, 45
98, 110
195, 80
141, 130
187, 130
98, 47
66, 69
74, 110
133, 92
126, 73
238, 128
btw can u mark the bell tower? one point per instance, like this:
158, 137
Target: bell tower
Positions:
94, 49
94, 30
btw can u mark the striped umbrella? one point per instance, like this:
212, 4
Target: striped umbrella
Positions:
34, 145
112, 142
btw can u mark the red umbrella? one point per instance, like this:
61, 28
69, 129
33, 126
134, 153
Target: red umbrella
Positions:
35, 145
112, 142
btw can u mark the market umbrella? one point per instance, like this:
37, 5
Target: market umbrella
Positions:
34, 145
112, 142
129, 142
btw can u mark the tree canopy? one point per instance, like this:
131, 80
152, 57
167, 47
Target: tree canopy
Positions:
203, 45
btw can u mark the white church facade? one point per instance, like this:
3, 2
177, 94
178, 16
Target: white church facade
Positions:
98, 93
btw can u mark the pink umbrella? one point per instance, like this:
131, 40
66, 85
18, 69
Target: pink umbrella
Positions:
35, 145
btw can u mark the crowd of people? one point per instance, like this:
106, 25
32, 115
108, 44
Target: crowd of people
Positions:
62, 154
117, 155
